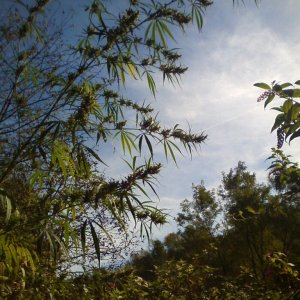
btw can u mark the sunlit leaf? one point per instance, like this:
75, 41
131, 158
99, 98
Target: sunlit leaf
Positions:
262, 85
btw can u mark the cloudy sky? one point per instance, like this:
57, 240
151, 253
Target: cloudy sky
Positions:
237, 47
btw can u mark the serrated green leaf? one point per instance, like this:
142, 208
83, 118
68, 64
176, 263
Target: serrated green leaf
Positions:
151, 84
172, 153
142, 190
83, 236
132, 70
94, 154
140, 143
122, 73
167, 30
161, 36
96, 242
176, 147
196, 15
128, 164
130, 140
148, 30
123, 143
166, 149
149, 145
153, 34
131, 208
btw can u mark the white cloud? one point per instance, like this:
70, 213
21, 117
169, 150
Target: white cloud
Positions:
237, 48
217, 94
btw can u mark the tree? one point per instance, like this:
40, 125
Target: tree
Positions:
62, 104
285, 173
253, 252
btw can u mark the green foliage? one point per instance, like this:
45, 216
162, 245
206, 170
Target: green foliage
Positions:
62, 105
234, 242
284, 173
288, 118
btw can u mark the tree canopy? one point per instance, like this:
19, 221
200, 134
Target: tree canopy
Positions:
235, 241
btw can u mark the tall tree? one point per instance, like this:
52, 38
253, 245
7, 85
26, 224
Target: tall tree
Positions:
61, 105
235, 241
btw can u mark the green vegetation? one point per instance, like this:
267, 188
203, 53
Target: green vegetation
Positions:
62, 108
235, 242
62, 105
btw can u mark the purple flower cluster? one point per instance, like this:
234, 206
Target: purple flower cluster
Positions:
265, 95
280, 138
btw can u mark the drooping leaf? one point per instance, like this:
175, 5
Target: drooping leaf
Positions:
295, 135
151, 84
269, 99
94, 154
83, 236
278, 121
149, 145
171, 151
96, 242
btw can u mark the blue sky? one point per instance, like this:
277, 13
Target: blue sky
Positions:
237, 47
